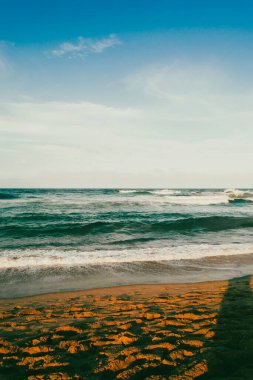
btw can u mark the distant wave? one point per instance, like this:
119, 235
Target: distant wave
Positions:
128, 191
237, 195
131, 199
201, 200
165, 192
6, 195
136, 192
180, 197
240, 202
160, 192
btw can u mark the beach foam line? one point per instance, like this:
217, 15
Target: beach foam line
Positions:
35, 258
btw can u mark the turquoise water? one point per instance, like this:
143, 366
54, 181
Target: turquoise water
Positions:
47, 232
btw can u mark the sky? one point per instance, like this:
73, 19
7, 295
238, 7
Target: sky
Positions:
126, 93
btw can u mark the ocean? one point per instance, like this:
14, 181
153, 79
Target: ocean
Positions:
65, 239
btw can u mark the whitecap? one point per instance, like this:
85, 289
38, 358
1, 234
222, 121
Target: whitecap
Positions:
239, 194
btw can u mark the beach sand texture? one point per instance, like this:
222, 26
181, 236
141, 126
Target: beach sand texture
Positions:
155, 332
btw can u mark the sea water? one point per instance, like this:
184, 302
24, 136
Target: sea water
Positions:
61, 239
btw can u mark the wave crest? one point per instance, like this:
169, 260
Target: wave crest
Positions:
148, 227
234, 194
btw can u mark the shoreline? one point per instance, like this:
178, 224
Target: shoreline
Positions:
117, 289
45, 282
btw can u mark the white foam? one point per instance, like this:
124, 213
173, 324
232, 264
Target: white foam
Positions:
239, 194
128, 191
177, 197
197, 199
31, 258
172, 197
165, 192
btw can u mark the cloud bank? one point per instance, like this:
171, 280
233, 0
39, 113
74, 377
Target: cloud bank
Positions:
87, 144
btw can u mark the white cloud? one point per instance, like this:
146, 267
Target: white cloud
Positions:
87, 144
84, 46
98, 46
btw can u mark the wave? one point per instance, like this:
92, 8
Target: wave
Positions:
240, 201
207, 223
197, 200
6, 195
162, 192
234, 194
136, 192
165, 192
154, 228
157, 192
177, 197
184, 200
128, 191
35, 258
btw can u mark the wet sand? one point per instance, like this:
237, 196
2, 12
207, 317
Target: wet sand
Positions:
155, 332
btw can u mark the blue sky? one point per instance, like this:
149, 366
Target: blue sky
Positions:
30, 21
126, 93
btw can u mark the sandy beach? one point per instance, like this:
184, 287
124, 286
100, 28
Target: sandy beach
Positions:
175, 331
126, 190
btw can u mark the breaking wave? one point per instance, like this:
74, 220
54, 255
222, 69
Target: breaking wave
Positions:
35, 258
239, 195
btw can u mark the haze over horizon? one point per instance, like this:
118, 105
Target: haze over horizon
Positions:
126, 94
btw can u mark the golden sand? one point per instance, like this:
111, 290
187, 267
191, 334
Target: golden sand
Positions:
152, 332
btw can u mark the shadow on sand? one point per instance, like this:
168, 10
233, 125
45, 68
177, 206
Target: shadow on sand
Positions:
231, 355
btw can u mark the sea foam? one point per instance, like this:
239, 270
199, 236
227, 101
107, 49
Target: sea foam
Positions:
32, 258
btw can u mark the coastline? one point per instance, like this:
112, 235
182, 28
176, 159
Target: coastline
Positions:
29, 282
126, 331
